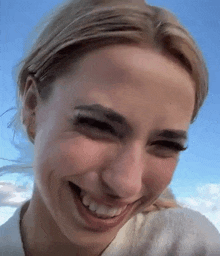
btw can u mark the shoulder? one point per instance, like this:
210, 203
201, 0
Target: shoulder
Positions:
182, 217
10, 238
175, 231
187, 221
181, 231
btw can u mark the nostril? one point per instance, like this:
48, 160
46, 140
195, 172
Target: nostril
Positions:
113, 196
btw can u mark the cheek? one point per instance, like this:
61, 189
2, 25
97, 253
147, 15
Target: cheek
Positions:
77, 156
159, 174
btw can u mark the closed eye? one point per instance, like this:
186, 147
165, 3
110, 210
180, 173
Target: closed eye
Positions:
94, 125
170, 145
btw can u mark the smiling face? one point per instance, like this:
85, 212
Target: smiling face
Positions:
109, 136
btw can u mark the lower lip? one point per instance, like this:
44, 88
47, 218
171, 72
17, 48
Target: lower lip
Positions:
95, 223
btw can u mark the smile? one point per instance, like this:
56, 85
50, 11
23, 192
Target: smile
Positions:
99, 217
100, 210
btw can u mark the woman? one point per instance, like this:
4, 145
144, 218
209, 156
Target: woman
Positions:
108, 93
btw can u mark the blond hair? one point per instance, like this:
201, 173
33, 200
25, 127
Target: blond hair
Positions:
82, 26
165, 200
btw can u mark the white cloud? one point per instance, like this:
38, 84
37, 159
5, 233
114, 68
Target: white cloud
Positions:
13, 195
206, 201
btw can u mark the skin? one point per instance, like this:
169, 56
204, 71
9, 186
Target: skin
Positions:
153, 92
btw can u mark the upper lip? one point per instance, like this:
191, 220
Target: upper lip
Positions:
106, 200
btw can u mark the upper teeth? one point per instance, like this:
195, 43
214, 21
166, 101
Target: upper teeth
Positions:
100, 209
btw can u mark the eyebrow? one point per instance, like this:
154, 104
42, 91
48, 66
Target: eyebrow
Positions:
117, 118
106, 112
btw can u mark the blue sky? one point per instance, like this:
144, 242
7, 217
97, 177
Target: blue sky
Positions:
196, 182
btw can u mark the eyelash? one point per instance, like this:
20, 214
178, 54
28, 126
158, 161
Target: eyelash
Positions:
95, 124
170, 145
107, 128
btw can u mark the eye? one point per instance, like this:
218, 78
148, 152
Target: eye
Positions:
94, 125
164, 148
175, 146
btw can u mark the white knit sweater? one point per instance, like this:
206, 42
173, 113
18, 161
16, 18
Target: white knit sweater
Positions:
170, 232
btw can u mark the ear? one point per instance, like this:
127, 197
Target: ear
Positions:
30, 102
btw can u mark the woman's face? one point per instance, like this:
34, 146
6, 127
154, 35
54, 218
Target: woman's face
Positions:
108, 139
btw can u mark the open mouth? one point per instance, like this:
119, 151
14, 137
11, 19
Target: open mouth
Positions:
94, 221
98, 211
75, 188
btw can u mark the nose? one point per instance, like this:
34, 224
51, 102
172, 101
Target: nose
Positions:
123, 178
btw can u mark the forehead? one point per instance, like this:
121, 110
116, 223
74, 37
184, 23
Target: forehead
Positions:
126, 61
121, 77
